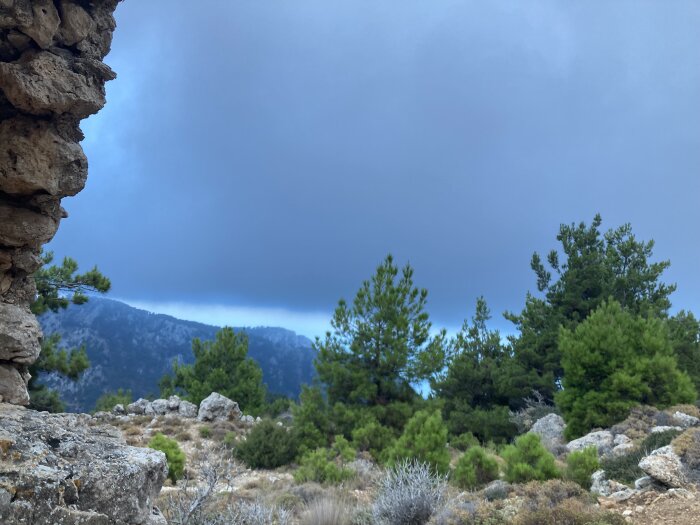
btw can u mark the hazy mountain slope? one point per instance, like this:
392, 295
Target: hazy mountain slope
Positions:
132, 348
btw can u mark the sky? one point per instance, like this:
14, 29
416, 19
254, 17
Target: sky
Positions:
256, 160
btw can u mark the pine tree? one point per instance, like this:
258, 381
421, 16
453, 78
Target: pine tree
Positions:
381, 344
221, 366
613, 361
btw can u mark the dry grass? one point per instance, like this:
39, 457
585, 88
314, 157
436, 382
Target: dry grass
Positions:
687, 446
326, 511
691, 410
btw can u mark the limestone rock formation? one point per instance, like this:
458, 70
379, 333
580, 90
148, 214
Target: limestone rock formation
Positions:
550, 428
217, 407
602, 440
68, 469
51, 77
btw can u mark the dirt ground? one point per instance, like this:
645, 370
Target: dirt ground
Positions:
652, 508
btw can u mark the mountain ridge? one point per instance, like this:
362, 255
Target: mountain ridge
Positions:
132, 348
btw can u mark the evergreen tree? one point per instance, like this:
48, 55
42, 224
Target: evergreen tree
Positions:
53, 283
480, 382
221, 366
613, 361
590, 267
685, 338
425, 440
381, 344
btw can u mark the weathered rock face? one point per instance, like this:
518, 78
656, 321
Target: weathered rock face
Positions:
51, 77
550, 428
217, 407
62, 468
602, 440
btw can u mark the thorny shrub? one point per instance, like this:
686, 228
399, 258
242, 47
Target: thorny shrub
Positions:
409, 494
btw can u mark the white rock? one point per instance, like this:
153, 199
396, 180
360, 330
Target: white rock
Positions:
665, 466
218, 407
621, 439
656, 430
550, 428
140, 407
685, 420
602, 440
159, 406
187, 409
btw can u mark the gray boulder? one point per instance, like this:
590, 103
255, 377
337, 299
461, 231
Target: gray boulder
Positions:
686, 421
600, 484
140, 407
550, 428
664, 465
217, 407
664, 428
66, 469
602, 440
187, 409
160, 406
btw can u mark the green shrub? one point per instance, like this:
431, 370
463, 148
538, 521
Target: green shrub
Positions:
425, 440
268, 445
311, 421
204, 432
625, 468
109, 400
374, 438
327, 465
581, 464
173, 453
464, 441
230, 440
612, 361
528, 460
475, 469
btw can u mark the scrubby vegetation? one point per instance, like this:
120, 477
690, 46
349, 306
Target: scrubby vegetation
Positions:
581, 464
475, 469
527, 460
268, 445
173, 453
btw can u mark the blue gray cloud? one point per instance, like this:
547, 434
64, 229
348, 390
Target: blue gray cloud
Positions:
270, 154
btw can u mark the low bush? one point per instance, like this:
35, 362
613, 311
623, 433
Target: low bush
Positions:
204, 432
569, 512
475, 469
687, 446
109, 400
268, 445
327, 465
580, 464
173, 453
528, 460
425, 440
409, 494
374, 438
464, 441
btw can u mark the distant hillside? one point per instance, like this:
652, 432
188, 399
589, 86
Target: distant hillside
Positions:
131, 348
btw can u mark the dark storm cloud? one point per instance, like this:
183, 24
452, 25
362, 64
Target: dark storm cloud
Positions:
272, 153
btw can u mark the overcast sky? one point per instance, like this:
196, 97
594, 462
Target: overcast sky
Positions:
257, 159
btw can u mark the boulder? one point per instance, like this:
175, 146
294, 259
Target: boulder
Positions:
622, 449
664, 466
140, 407
65, 469
602, 440
600, 484
44, 24
174, 403
19, 336
217, 407
187, 409
159, 406
36, 158
13, 386
76, 23
686, 421
550, 428
664, 428
621, 439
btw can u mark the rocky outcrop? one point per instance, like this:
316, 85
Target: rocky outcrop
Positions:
51, 77
602, 440
218, 408
550, 428
664, 466
67, 469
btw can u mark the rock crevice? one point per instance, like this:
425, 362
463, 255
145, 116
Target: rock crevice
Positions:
51, 77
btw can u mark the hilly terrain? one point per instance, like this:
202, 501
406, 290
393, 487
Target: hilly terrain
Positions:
132, 349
